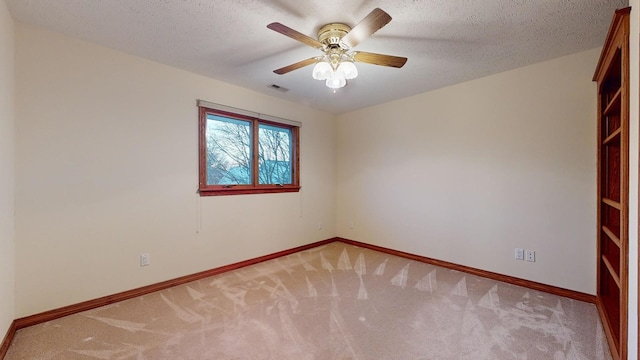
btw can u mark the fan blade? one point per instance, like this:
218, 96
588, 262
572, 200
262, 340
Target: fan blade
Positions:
296, 66
287, 31
380, 59
370, 24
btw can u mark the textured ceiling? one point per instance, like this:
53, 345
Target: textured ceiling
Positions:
446, 41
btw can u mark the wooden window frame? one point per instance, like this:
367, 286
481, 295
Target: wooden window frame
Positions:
205, 189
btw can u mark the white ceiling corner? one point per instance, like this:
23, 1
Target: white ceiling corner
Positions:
446, 41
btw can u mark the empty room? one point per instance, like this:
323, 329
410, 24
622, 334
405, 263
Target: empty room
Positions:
203, 179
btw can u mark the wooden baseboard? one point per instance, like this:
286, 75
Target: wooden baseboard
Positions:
576, 295
8, 338
125, 295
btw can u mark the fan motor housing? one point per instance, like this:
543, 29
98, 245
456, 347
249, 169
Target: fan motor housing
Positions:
331, 34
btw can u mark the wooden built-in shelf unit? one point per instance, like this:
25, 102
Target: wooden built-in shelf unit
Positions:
612, 76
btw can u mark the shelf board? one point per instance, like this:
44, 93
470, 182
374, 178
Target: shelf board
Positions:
612, 203
615, 100
614, 136
612, 272
611, 236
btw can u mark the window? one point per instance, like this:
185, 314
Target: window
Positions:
246, 153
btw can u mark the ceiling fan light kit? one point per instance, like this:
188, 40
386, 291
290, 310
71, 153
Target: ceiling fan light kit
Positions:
335, 73
336, 40
334, 77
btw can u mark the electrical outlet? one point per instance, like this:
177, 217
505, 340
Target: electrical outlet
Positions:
519, 254
320, 226
145, 259
530, 255
350, 224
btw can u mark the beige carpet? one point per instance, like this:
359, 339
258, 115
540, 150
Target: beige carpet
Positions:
332, 302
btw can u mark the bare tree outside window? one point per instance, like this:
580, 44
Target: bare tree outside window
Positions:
228, 151
244, 154
274, 155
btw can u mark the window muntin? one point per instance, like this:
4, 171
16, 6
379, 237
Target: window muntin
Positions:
233, 160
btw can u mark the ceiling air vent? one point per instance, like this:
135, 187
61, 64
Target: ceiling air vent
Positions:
278, 87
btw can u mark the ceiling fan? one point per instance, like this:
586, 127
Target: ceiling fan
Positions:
337, 41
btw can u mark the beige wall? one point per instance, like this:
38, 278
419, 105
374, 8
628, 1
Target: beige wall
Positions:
107, 169
7, 89
470, 172
634, 130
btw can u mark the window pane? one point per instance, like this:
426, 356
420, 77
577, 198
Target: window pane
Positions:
228, 151
274, 155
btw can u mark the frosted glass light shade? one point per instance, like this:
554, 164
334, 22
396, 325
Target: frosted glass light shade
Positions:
322, 71
349, 69
336, 81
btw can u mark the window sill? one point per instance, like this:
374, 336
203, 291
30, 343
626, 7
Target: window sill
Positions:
245, 191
